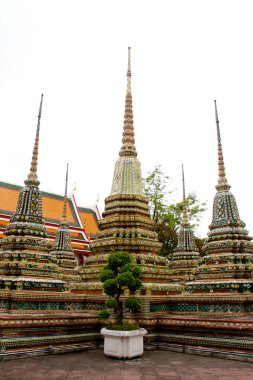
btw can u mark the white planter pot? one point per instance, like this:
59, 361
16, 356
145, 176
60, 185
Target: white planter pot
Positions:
123, 344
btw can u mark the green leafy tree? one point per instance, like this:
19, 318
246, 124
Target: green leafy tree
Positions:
119, 274
166, 213
156, 190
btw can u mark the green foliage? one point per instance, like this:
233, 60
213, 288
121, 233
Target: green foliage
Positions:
119, 274
165, 212
135, 270
106, 274
117, 261
168, 237
125, 279
133, 303
111, 287
194, 209
124, 327
156, 190
111, 303
200, 242
103, 315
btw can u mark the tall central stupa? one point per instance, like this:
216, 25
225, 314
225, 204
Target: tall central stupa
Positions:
126, 224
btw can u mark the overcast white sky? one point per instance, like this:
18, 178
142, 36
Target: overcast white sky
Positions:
185, 54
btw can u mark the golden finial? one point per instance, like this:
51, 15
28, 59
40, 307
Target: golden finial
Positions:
64, 213
32, 176
222, 181
185, 216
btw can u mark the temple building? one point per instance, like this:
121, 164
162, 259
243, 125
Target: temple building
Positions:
126, 224
185, 259
83, 221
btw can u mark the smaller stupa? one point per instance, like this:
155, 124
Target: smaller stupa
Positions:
62, 248
227, 262
28, 220
185, 258
25, 263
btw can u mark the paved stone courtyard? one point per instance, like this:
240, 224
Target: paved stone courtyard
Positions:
154, 365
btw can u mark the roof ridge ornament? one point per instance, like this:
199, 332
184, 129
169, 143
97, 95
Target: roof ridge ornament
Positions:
32, 178
222, 180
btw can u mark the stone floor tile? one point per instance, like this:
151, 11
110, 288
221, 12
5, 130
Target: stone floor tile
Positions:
93, 370
75, 374
238, 372
219, 371
176, 362
37, 377
55, 376
115, 371
109, 376
155, 365
131, 372
183, 376
148, 371
166, 372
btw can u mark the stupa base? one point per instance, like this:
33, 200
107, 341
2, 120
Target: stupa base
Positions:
220, 286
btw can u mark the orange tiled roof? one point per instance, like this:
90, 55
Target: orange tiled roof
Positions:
8, 199
52, 206
52, 209
88, 221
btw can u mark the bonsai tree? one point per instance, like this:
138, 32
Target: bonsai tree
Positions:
120, 274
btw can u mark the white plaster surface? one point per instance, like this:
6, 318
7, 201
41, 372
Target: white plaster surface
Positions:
123, 344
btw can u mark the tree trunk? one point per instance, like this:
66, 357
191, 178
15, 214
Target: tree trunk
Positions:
119, 311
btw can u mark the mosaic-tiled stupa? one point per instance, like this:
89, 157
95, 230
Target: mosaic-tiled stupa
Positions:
63, 251
227, 262
126, 224
185, 258
25, 263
